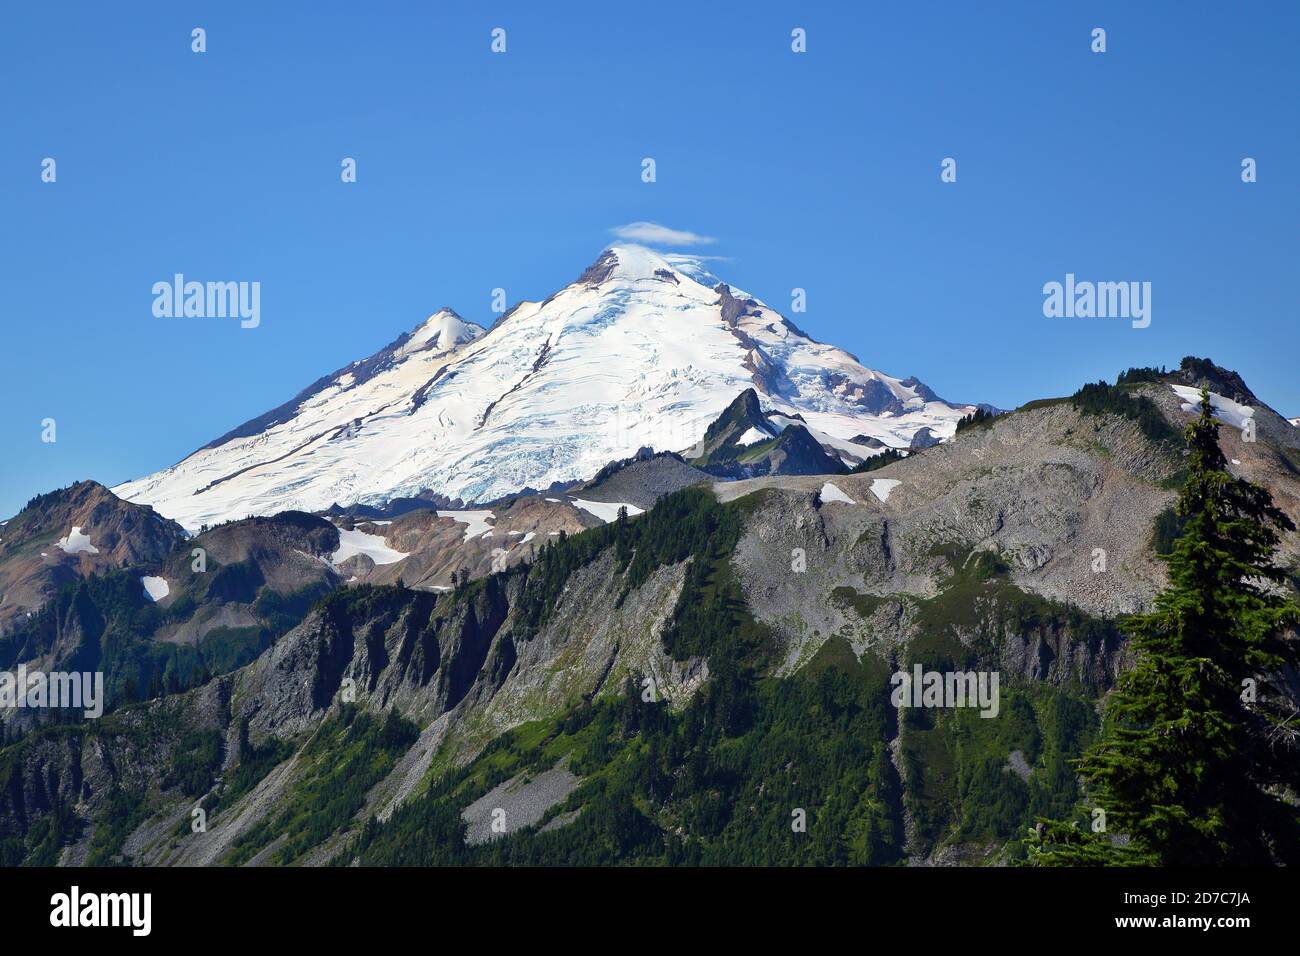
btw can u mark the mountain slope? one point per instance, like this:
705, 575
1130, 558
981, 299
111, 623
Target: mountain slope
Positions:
744, 443
71, 533
376, 729
641, 351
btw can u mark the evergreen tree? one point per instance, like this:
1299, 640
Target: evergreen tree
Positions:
1201, 742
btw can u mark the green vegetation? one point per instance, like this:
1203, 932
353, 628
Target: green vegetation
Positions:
728, 771
719, 781
979, 601
148, 749
117, 629
684, 523
1099, 398
864, 604
347, 755
124, 812
721, 778
977, 417
1197, 756
961, 784
886, 457
254, 764
195, 761
1166, 530
1146, 373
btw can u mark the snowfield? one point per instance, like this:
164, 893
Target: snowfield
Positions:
606, 511
643, 350
476, 522
831, 493
155, 588
752, 436
881, 487
352, 543
77, 543
1225, 409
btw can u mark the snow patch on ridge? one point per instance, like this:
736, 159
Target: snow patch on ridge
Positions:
77, 543
606, 511
1225, 409
830, 492
155, 588
476, 522
373, 546
881, 487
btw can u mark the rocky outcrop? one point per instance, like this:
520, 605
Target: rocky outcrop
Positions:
71, 533
744, 443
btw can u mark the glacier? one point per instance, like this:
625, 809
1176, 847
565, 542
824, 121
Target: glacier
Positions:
643, 349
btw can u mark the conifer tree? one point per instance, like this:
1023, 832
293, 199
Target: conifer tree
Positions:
1201, 739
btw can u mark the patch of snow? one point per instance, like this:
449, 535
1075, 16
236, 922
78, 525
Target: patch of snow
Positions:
752, 436
155, 588
476, 522
606, 511
77, 543
831, 493
1236, 461
881, 487
529, 537
1225, 409
352, 543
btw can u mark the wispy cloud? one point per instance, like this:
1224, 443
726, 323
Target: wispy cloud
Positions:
654, 234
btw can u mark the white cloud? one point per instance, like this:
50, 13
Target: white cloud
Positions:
655, 234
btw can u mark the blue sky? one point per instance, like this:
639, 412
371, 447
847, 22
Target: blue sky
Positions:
478, 171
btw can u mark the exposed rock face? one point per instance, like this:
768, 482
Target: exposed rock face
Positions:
519, 802
1046, 510
924, 438
744, 443
1048, 491
642, 480
453, 665
443, 543
40, 550
1203, 373
240, 585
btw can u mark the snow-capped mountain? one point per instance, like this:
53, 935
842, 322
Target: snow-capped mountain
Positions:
1294, 421
644, 349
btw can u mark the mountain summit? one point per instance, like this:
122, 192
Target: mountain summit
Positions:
644, 349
